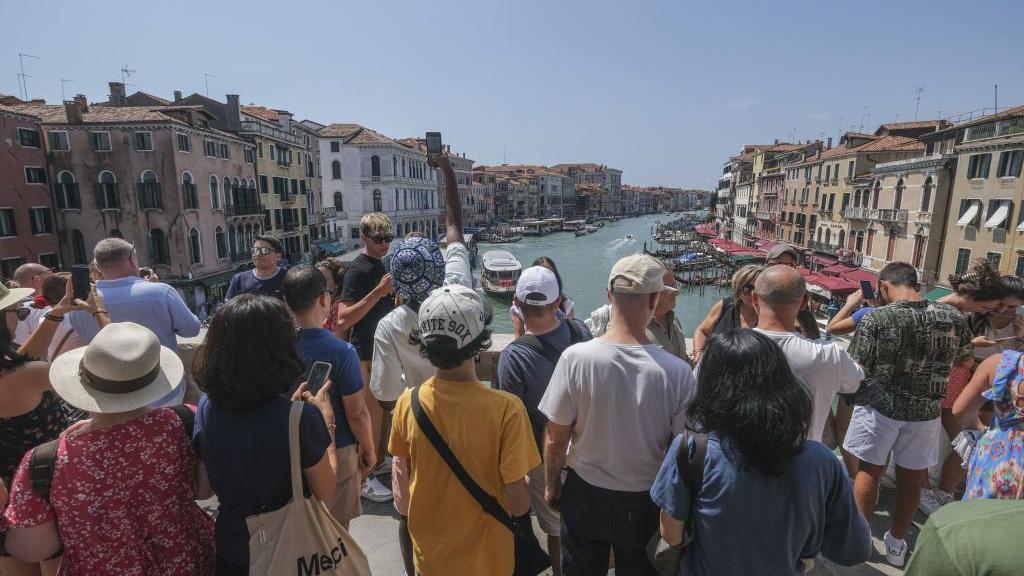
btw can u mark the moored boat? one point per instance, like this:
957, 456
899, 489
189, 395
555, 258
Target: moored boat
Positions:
500, 272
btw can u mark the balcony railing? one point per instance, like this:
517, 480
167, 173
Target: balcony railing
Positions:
890, 215
254, 127
823, 209
289, 226
923, 218
243, 210
329, 212
823, 247
287, 200
761, 215
857, 213
994, 129
850, 257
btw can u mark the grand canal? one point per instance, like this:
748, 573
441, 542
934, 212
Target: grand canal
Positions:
584, 263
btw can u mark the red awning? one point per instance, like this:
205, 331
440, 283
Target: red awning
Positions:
837, 269
706, 229
861, 274
765, 244
823, 261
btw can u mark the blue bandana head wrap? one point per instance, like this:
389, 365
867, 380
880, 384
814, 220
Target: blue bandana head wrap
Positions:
417, 268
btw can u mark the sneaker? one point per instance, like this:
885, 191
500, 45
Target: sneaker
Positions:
895, 550
375, 491
385, 467
932, 500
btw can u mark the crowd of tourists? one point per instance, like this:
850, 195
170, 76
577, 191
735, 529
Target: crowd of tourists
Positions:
629, 449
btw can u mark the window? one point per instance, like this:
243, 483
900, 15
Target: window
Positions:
336, 170
263, 185
259, 149
150, 194
828, 171
375, 166
210, 148
35, 175
926, 195
9, 265
78, 248
978, 165
7, 224
849, 170
107, 195
214, 194
995, 258
1019, 271
50, 260
339, 202
250, 155
335, 146
29, 138
184, 143
277, 218
378, 203
1010, 164
273, 152
40, 219
99, 141
354, 233
144, 141
897, 200
188, 192
195, 246
59, 142
66, 192
225, 152
221, 241
963, 260
159, 250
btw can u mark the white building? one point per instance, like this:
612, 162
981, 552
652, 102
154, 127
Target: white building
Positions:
365, 171
742, 206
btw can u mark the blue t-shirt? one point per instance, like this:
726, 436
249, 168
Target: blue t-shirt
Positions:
318, 344
248, 463
247, 283
748, 521
858, 314
525, 373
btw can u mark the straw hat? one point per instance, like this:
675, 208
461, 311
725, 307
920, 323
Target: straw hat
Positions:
11, 296
122, 369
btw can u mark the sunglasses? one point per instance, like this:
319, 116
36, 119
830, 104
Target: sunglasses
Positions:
22, 313
382, 239
749, 288
263, 251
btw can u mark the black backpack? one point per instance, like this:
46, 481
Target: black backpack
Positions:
546, 350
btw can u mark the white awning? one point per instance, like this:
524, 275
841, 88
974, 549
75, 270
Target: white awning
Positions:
999, 216
969, 215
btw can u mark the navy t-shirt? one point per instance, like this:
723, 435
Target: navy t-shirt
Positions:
247, 460
526, 373
318, 344
247, 283
749, 522
859, 314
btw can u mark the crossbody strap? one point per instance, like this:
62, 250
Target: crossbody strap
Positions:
489, 503
692, 468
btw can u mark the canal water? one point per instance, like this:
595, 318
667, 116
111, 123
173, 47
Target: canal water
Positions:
584, 264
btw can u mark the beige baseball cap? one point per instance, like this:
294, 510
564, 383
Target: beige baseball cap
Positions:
643, 274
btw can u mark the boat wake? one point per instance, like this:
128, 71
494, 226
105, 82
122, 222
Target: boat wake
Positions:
618, 244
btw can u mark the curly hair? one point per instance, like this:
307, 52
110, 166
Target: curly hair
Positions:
746, 393
249, 354
336, 269
980, 282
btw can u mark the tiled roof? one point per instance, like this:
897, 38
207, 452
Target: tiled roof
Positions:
354, 134
892, 144
1015, 112
260, 112
586, 167
56, 114
783, 147
934, 124
162, 101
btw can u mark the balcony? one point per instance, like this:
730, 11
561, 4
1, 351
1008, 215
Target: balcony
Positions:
923, 218
857, 213
895, 216
150, 196
261, 129
236, 210
288, 200
850, 257
995, 129
822, 209
823, 247
289, 226
329, 212
760, 215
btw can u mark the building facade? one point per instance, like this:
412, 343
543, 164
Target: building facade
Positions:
589, 173
28, 231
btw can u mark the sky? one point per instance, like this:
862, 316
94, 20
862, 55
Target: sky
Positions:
664, 91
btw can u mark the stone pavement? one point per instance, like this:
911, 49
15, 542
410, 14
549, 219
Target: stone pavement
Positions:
376, 531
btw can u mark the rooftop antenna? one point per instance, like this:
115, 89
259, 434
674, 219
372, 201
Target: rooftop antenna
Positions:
864, 118
22, 77
206, 78
64, 81
126, 73
917, 97
840, 126
996, 87
897, 119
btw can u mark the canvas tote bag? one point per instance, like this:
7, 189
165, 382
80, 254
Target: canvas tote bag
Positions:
301, 538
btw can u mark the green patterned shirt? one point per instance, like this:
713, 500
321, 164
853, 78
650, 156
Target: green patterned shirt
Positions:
907, 349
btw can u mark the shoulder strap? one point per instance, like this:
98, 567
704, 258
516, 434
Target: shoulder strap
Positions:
489, 503
575, 334
187, 417
60, 344
41, 466
692, 469
537, 345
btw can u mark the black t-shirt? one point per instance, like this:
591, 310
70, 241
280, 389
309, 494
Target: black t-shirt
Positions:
247, 283
361, 277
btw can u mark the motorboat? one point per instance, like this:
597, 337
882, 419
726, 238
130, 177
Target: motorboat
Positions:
500, 273
629, 236
582, 231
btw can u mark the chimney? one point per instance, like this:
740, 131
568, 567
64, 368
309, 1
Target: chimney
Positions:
177, 96
284, 119
75, 108
829, 143
233, 123
117, 95
776, 140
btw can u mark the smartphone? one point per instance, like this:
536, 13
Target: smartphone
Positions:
317, 376
433, 144
80, 281
866, 289
1005, 339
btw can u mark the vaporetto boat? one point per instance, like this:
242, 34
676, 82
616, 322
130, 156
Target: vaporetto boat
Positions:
500, 272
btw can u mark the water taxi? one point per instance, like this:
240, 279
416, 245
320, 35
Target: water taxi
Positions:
500, 273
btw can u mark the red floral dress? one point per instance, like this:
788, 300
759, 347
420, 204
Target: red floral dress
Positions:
124, 499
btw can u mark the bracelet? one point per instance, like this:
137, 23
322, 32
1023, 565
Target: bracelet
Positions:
54, 318
100, 312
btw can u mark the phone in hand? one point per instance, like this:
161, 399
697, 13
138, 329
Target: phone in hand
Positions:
867, 290
80, 281
434, 147
1005, 339
317, 376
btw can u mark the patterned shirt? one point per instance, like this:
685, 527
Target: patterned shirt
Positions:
907, 349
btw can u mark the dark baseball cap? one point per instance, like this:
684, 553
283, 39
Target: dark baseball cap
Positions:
780, 249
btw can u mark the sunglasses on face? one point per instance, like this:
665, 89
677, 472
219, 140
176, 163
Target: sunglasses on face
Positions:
263, 251
21, 312
382, 239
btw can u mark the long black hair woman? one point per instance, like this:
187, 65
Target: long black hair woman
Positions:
770, 500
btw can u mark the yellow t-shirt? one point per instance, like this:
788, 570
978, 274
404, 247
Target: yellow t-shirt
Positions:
489, 432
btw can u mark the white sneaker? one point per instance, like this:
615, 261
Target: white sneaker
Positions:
375, 491
384, 468
932, 500
895, 550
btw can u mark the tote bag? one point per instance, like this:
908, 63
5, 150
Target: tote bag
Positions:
302, 538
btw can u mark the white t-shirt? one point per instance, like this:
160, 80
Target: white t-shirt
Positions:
26, 327
823, 368
64, 337
625, 404
397, 363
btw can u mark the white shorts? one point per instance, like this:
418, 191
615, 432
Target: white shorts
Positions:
550, 521
871, 436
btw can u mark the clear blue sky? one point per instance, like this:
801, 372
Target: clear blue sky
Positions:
664, 91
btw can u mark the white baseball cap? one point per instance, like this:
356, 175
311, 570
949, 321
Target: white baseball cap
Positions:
455, 311
642, 274
537, 286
